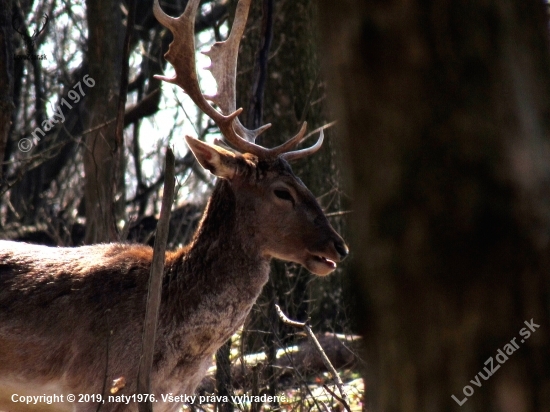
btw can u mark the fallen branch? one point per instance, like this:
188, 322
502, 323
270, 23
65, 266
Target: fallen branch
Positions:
326, 361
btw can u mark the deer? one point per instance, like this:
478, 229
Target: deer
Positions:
71, 319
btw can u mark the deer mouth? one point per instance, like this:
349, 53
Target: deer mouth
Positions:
325, 261
320, 265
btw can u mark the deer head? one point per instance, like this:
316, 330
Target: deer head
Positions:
29, 39
283, 217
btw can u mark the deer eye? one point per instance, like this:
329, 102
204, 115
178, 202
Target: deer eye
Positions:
284, 194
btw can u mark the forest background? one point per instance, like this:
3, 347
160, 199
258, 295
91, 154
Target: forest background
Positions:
441, 150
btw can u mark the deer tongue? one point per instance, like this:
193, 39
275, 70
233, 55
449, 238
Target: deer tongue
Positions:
326, 261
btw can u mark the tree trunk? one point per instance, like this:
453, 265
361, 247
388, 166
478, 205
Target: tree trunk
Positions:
102, 152
444, 106
6, 77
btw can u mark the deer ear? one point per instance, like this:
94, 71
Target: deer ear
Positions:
217, 160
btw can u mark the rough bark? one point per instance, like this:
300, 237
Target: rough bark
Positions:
102, 152
445, 106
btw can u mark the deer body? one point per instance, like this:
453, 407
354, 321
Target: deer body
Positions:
92, 290
71, 319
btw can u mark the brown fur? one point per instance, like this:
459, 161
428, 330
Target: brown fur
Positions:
71, 318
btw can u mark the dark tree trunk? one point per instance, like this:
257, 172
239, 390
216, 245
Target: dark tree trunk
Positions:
445, 106
6, 77
102, 158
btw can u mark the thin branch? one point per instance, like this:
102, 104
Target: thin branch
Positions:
155, 286
339, 399
308, 102
288, 321
340, 213
326, 126
324, 356
279, 341
182, 166
32, 162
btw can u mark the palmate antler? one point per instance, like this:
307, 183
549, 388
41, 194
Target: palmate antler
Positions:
181, 54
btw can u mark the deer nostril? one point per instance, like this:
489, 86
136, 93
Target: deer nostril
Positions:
342, 249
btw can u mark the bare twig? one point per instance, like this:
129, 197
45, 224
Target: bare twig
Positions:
296, 371
34, 161
288, 321
326, 126
155, 285
339, 213
324, 357
308, 102
342, 401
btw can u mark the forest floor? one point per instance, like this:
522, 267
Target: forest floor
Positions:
303, 383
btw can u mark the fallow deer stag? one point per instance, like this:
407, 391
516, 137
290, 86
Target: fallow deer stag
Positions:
71, 318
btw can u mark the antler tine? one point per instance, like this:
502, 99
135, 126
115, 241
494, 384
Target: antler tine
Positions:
298, 154
181, 54
290, 143
224, 56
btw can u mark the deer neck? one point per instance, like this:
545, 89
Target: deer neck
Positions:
223, 267
225, 239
